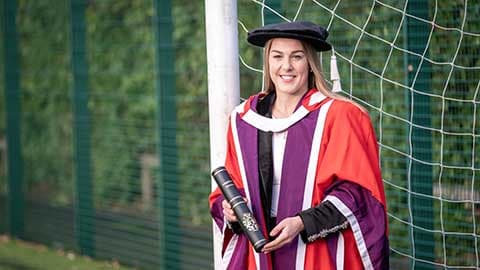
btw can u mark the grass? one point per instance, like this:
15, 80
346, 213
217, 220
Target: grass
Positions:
21, 255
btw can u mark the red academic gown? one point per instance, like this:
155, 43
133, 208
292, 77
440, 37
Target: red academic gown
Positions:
329, 141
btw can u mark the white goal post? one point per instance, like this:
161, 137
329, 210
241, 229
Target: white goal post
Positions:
223, 83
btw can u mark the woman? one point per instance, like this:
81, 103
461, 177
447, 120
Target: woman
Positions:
307, 161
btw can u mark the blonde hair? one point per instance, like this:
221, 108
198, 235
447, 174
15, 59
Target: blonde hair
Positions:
315, 76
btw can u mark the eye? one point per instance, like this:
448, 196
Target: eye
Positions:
297, 56
276, 56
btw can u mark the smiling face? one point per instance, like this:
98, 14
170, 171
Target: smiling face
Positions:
288, 66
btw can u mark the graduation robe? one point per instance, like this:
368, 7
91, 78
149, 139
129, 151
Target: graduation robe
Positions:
331, 153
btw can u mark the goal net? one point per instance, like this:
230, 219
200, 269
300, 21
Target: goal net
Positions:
415, 65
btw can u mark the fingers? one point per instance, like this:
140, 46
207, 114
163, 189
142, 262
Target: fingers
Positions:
286, 230
280, 241
275, 231
228, 212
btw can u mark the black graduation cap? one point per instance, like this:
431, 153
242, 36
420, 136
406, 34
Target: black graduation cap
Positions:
302, 30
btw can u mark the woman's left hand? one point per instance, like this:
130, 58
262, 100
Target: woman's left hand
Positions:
286, 230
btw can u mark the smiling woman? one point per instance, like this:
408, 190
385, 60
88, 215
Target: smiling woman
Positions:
306, 161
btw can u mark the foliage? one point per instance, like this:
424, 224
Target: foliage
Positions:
46, 107
122, 99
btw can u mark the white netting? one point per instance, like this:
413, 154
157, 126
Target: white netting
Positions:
415, 65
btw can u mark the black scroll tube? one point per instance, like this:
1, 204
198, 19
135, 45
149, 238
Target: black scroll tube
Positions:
242, 212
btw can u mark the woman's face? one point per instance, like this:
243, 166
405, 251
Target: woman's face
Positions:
288, 66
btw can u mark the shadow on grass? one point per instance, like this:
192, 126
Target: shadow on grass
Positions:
12, 265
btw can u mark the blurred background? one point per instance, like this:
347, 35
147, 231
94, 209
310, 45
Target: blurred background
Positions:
104, 140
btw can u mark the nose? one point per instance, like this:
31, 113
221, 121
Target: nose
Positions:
287, 64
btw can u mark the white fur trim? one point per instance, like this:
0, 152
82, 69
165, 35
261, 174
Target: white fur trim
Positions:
241, 165
316, 98
274, 125
227, 255
357, 233
310, 181
340, 257
277, 125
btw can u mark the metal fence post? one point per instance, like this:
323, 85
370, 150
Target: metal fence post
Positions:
168, 212
84, 209
419, 78
13, 121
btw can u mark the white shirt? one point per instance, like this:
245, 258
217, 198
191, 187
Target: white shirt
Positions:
278, 149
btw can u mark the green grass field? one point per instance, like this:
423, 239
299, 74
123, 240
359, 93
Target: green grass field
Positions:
20, 255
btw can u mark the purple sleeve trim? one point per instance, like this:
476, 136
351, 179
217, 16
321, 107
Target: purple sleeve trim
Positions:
217, 212
367, 218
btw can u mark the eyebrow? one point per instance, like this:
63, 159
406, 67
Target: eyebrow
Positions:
297, 51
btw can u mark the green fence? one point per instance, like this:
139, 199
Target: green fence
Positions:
103, 106
115, 161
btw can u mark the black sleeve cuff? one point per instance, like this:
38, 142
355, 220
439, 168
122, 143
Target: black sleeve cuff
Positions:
320, 221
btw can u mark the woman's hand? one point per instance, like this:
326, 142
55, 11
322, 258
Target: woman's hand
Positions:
228, 212
286, 230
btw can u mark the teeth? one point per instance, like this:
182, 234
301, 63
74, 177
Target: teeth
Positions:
287, 77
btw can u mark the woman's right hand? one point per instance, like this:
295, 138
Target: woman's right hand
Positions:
228, 212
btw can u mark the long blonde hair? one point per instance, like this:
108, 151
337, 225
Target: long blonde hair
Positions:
315, 76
